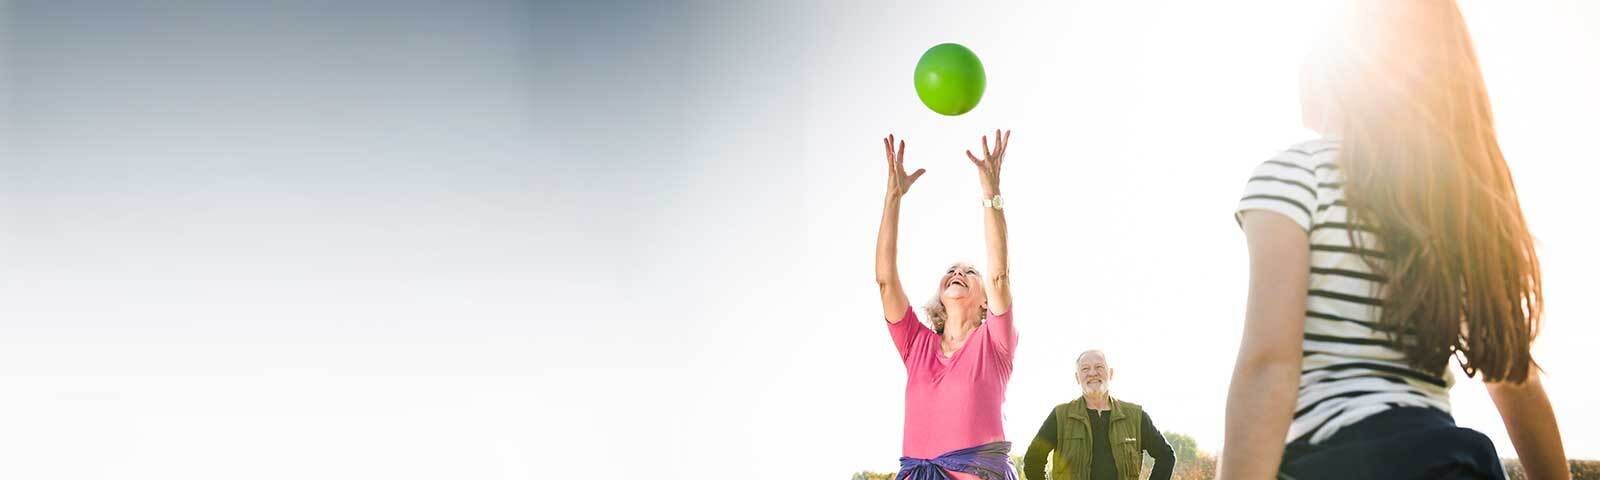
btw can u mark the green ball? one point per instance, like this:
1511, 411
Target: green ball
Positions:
949, 79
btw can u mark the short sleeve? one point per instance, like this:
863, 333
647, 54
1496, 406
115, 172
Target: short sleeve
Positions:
1002, 333
1285, 185
907, 333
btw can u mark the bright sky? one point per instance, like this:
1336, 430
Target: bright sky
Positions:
1134, 132
302, 252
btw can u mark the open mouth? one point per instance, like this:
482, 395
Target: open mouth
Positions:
957, 281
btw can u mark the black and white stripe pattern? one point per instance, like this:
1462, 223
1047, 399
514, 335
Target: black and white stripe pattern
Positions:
1350, 370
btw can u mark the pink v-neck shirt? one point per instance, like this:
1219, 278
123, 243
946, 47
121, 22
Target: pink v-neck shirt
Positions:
953, 402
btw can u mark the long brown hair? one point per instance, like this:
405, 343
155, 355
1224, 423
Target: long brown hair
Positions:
1424, 172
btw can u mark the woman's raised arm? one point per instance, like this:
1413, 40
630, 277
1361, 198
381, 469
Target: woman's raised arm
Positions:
994, 221
895, 302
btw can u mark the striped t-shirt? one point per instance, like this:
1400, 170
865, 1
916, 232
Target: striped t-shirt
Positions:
1349, 369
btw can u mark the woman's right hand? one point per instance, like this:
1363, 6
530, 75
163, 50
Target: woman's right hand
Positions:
895, 302
899, 182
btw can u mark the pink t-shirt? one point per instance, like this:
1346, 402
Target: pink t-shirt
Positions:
953, 402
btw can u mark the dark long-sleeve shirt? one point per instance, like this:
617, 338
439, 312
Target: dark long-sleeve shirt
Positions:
1103, 466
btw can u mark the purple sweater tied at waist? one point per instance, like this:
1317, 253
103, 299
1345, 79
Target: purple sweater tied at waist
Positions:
990, 461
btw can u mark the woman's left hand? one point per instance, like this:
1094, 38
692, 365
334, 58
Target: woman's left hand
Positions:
989, 165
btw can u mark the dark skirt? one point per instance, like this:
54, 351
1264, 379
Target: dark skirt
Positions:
1401, 443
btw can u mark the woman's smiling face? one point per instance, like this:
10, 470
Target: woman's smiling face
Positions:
961, 285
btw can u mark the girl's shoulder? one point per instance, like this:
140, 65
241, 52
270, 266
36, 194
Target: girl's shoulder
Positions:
1310, 153
1303, 160
1314, 147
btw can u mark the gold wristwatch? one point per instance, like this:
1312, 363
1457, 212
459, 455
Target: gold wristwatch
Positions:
993, 202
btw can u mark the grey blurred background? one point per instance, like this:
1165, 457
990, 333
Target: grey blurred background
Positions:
397, 239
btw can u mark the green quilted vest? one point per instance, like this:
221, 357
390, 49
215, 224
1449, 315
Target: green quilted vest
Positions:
1075, 450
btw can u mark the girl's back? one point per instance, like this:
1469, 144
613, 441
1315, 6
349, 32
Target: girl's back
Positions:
1351, 369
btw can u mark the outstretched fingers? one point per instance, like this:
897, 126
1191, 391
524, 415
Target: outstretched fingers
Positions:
895, 152
888, 151
914, 176
1005, 142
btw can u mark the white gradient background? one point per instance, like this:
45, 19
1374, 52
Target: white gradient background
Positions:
497, 239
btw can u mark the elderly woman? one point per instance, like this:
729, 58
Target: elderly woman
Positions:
956, 371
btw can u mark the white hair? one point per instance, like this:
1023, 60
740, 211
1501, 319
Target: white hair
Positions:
936, 314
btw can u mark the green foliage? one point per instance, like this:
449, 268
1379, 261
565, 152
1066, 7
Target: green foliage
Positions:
1183, 447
